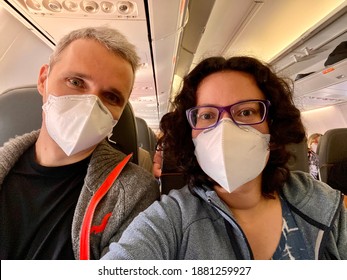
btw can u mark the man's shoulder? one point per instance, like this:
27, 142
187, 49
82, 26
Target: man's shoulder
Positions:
135, 174
25, 140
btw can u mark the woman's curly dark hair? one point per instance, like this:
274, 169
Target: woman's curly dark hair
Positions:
283, 119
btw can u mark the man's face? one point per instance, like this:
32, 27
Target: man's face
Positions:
87, 67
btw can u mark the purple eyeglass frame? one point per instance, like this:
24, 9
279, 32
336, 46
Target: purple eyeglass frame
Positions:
266, 104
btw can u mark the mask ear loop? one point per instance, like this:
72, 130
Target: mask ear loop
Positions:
114, 122
110, 140
46, 87
110, 135
48, 71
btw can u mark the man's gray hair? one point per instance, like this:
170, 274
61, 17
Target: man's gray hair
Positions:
111, 38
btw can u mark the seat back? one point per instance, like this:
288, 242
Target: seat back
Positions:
299, 156
152, 141
125, 133
21, 112
143, 139
171, 177
332, 152
171, 181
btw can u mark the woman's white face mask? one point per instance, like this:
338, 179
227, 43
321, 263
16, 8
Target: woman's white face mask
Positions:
77, 122
232, 155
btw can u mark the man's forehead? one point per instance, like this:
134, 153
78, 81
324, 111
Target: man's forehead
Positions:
82, 45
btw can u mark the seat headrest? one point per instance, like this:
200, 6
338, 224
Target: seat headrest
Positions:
332, 146
21, 112
143, 134
299, 158
152, 141
125, 133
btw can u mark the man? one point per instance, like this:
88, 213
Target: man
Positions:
50, 179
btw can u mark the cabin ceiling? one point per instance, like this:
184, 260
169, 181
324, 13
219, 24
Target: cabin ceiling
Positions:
280, 32
172, 36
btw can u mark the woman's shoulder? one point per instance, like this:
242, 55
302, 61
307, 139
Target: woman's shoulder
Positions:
182, 197
301, 183
191, 206
312, 197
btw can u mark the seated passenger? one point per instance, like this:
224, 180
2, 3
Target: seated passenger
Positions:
145, 160
50, 179
313, 159
228, 131
157, 162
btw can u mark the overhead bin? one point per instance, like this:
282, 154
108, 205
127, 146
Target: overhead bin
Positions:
325, 78
319, 85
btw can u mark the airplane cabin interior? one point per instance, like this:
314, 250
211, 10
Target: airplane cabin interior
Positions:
295, 37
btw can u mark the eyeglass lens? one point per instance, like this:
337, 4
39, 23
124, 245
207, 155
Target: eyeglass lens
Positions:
251, 112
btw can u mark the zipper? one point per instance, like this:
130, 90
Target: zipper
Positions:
233, 224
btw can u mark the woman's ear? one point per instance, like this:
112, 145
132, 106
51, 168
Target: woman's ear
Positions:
41, 83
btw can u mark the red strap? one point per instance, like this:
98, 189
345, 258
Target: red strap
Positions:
88, 217
100, 228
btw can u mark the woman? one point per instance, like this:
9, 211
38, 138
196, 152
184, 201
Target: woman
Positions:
228, 131
313, 158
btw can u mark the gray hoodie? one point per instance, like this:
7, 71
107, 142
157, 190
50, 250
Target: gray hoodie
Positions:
186, 226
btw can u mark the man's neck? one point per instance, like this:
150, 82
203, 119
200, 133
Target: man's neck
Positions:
48, 153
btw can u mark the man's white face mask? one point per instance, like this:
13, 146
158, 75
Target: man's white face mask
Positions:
77, 122
232, 155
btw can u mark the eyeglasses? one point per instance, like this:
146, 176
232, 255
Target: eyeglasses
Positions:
245, 112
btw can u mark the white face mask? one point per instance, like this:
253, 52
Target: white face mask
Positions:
232, 155
77, 122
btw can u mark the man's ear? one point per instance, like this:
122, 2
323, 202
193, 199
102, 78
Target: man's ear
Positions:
41, 83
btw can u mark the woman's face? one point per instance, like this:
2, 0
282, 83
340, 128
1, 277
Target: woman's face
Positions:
226, 88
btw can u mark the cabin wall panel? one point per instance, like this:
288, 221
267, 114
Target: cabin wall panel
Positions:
321, 120
26, 53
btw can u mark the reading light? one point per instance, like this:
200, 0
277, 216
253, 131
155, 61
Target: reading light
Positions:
82, 8
125, 7
107, 7
52, 5
70, 6
89, 6
33, 4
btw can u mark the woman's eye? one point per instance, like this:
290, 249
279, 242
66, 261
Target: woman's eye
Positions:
204, 116
246, 113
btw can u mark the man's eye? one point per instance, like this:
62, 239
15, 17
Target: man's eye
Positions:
112, 98
75, 82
